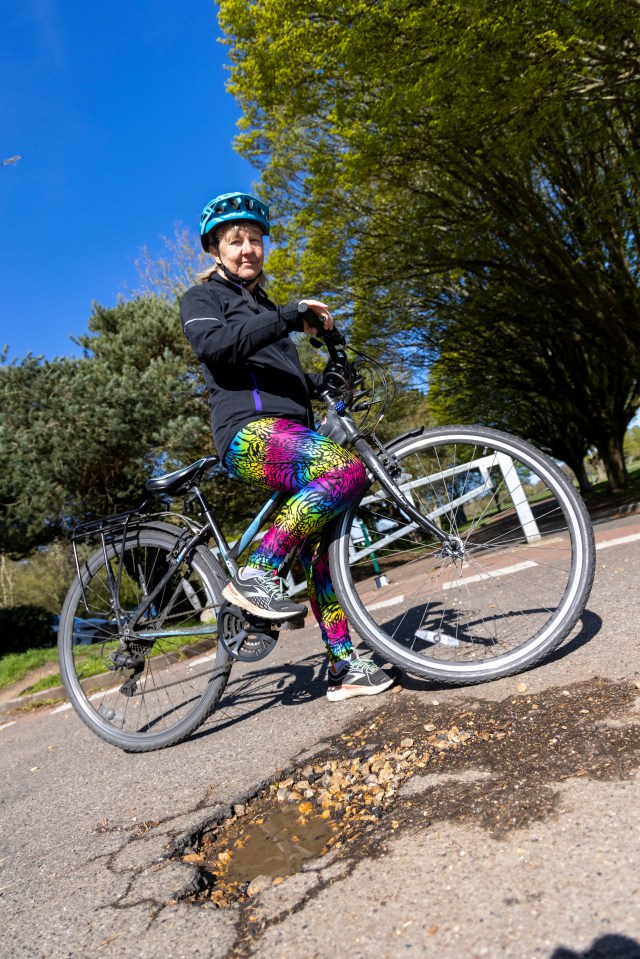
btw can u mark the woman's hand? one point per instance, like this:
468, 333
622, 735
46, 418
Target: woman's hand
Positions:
322, 312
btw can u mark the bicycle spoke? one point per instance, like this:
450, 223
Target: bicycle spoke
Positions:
508, 583
140, 688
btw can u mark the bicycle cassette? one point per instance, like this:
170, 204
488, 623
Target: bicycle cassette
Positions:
244, 636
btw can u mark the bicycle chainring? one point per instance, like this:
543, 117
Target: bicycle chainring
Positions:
245, 637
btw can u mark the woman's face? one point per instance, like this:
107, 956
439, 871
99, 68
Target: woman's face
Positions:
241, 249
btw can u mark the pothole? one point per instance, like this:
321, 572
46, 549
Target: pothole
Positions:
321, 809
495, 765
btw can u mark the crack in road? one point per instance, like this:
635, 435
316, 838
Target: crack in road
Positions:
500, 766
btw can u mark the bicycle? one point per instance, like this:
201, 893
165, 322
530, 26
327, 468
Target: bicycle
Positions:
470, 557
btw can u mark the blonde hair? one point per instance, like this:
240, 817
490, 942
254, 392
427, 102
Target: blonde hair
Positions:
214, 236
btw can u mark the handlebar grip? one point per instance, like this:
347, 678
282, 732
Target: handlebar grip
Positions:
331, 337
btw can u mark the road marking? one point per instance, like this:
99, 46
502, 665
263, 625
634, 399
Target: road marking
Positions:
386, 602
505, 571
202, 660
99, 695
6, 725
618, 542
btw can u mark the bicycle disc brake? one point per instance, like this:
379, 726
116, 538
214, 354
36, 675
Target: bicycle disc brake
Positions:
244, 636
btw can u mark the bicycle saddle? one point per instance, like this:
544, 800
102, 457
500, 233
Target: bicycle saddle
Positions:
181, 480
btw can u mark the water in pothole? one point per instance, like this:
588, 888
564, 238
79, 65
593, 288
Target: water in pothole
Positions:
274, 845
495, 765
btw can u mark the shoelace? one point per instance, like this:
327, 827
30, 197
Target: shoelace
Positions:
363, 665
273, 585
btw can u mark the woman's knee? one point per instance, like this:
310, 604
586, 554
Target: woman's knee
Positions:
353, 476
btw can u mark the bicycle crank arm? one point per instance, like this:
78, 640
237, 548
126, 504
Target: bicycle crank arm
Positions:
244, 636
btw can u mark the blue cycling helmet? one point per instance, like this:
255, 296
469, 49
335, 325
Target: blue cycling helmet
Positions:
233, 206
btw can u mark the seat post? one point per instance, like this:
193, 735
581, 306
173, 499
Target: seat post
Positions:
216, 532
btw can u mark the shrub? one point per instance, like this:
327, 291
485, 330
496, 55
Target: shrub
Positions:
25, 627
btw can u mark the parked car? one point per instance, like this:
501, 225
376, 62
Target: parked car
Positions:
93, 629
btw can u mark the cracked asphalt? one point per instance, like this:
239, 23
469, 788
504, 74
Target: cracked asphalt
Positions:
522, 839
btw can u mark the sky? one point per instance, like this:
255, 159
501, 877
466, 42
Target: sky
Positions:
124, 128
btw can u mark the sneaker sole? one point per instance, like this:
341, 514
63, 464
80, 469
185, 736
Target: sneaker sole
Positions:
349, 692
239, 600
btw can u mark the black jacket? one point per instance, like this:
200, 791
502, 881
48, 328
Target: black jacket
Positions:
249, 363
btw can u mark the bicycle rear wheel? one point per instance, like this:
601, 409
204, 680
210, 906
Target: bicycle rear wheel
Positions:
509, 593
154, 687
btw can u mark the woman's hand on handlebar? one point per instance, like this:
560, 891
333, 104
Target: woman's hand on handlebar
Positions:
324, 316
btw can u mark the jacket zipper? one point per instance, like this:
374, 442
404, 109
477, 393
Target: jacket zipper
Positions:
257, 399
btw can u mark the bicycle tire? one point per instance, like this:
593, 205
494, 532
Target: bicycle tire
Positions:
184, 674
521, 585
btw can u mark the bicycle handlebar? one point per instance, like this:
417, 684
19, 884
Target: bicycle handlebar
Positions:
328, 338
361, 384
331, 339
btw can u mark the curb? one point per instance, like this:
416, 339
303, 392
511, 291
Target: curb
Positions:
15, 705
611, 512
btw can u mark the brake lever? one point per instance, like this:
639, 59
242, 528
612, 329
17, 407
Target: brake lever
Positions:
332, 337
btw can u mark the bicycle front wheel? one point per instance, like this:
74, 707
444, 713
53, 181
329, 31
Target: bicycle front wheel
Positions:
154, 685
507, 592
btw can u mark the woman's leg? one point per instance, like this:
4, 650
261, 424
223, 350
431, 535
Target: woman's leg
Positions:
323, 478
332, 621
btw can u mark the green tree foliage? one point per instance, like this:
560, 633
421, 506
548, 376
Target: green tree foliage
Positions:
79, 438
632, 444
430, 162
42, 578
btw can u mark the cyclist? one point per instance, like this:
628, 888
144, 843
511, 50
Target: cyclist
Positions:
264, 430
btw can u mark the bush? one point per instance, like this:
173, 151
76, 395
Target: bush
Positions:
25, 627
40, 579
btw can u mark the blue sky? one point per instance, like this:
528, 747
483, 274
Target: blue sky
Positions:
120, 115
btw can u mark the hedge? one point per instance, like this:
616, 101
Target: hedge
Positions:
25, 627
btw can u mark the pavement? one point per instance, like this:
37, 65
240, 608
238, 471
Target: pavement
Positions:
525, 843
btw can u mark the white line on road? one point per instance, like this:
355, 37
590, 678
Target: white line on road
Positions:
6, 725
202, 660
631, 538
505, 571
99, 695
386, 602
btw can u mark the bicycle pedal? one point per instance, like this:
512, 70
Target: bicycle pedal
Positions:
297, 623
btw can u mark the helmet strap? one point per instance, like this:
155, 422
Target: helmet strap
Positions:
232, 276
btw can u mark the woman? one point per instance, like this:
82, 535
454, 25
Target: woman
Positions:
263, 427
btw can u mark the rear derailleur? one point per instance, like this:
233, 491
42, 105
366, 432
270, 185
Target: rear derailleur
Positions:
132, 657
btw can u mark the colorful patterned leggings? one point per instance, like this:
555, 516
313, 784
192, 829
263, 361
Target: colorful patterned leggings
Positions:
324, 479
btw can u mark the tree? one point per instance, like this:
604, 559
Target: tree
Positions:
416, 151
80, 437
632, 444
172, 272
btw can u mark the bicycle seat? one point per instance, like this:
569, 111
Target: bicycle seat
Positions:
181, 480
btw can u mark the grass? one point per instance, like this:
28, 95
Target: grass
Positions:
40, 704
600, 496
15, 666
89, 662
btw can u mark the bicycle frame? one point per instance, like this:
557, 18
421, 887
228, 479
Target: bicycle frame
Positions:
377, 458
381, 465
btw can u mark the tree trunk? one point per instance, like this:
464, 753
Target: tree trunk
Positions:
581, 475
612, 456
